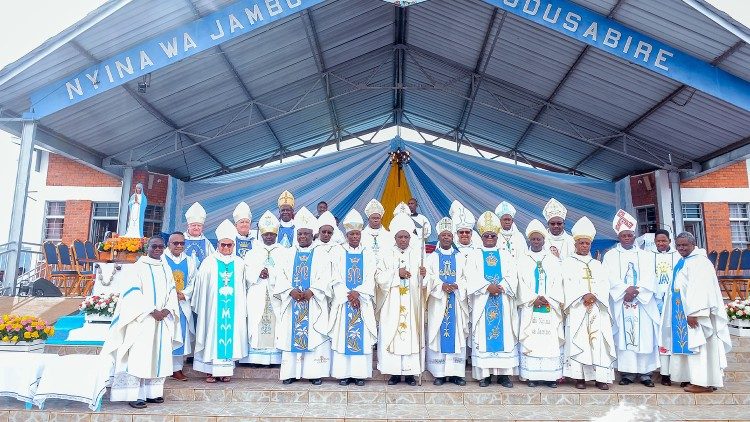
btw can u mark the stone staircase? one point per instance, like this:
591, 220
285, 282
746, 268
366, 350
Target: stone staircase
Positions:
257, 394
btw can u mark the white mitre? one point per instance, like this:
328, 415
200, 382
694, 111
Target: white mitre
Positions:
353, 221
327, 219
401, 208
583, 228
374, 207
554, 209
195, 214
304, 219
444, 225
462, 219
400, 222
535, 226
242, 212
623, 221
505, 207
226, 230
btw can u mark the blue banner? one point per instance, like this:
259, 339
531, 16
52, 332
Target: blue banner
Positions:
612, 37
170, 47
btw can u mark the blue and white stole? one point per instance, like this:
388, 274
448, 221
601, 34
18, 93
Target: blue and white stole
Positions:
493, 309
631, 312
355, 343
540, 277
679, 319
225, 310
242, 246
182, 268
301, 310
447, 272
196, 248
286, 236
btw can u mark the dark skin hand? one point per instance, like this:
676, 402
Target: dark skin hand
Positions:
403, 273
630, 293
540, 302
692, 321
448, 288
264, 273
353, 298
589, 299
495, 289
160, 315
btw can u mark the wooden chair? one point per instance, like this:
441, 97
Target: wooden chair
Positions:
61, 278
81, 264
91, 252
713, 256
726, 285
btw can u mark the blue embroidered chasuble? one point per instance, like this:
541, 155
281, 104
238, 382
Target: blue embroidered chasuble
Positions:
225, 310
448, 327
286, 236
242, 246
183, 269
493, 309
301, 310
679, 319
196, 248
354, 324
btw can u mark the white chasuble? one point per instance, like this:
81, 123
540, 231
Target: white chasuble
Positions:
261, 315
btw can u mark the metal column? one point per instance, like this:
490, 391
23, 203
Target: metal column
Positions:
21, 192
127, 182
674, 185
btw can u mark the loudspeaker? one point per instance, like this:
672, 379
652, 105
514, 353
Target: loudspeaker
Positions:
44, 288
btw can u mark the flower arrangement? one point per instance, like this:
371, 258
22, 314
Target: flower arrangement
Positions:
103, 305
738, 309
124, 244
15, 328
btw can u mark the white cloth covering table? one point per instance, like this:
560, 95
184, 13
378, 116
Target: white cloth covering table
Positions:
81, 378
21, 372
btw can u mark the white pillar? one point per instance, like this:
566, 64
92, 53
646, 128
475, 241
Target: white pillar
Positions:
127, 181
674, 184
20, 194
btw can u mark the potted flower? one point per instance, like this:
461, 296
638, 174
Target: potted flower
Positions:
23, 333
738, 312
126, 249
99, 308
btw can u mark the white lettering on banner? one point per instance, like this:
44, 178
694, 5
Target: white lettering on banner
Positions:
591, 32
546, 14
274, 7
234, 24
188, 42
253, 15
644, 48
145, 60
612, 37
122, 68
171, 48
571, 21
661, 57
93, 78
533, 11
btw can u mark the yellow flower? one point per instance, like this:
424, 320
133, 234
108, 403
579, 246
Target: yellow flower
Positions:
6, 339
35, 334
14, 339
27, 335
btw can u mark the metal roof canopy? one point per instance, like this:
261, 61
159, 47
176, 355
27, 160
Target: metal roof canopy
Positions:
477, 72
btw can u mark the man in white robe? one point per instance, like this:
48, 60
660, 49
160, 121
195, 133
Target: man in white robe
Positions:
144, 330
447, 309
558, 241
630, 272
665, 257
353, 332
589, 346
301, 294
184, 269
376, 238
492, 290
422, 228
329, 235
219, 300
541, 298
509, 238
243, 220
694, 324
287, 236
196, 244
260, 274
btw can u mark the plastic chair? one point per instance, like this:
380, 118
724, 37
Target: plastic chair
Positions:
722, 261
90, 250
85, 279
52, 263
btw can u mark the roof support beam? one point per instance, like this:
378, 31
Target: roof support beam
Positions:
670, 97
399, 64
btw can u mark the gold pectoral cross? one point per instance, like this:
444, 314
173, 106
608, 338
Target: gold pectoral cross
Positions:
588, 276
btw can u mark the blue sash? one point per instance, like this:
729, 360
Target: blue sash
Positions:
493, 309
355, 343
182, 267
448, 330
241, 246
196, 248
301, 310
286, 236
539, 273
225, 311
679, 319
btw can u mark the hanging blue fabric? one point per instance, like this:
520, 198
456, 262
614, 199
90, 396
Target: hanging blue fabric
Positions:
301, 310
447, 272
183, 268
493, 309
679, 319
225, 310
286, 236
355, 343
196, 248
242, 246
538, 274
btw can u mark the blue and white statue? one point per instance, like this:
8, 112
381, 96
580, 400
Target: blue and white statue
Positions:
136, 212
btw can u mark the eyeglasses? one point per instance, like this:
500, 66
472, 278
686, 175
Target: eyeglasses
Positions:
157, 246
226, 245
178, 243
464, 232
489, 235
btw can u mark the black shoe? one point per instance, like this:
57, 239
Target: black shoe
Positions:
665, 380
138, 404
156, 400
288, 381
316, 381
359, 382
647, 383
684, 384
439, 381
625, 381
505, 381
410, 380
344, 381
552, 384
459, 381
395, 379
531, 383
485, 382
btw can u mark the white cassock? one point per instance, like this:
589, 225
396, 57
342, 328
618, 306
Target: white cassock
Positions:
542, 330
141, 346
302, 327
219, 300
261, 315
563, 243
420, 221
399, 347
696, 290
664, 263
512, 241
185, 268
636, 324
494, 319
198, 247
379, 241
447, 315
589, 345
353, 331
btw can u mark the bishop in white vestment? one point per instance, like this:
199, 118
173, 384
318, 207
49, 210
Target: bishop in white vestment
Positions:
144, 330
329, 234
447, 309
694, 322
492, 291
636, 316
301, 294
243, 220
196, 244
376, 238
261, 269
541, 298
589, 345
287, 236
509, 238
353, 331
219, 300
558, 241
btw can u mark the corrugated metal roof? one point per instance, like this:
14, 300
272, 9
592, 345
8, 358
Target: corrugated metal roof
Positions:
263, 92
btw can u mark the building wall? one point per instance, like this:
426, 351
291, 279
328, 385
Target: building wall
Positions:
154, 186
62, 171
77, 223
